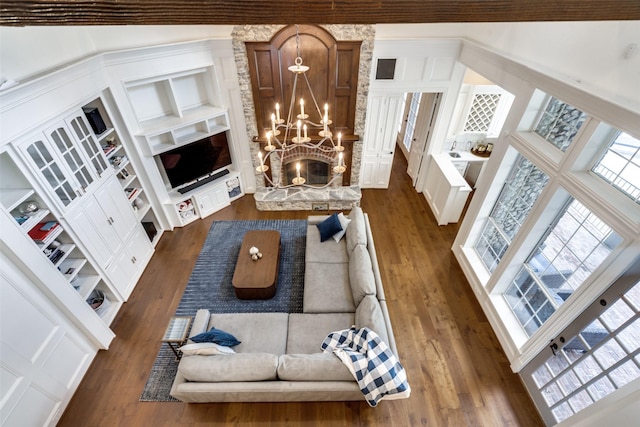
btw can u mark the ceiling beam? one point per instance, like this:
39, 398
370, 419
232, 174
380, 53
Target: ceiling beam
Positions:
256, 12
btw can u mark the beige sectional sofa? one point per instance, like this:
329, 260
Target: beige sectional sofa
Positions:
279, 358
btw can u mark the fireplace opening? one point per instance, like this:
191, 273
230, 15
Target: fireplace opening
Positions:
315, 172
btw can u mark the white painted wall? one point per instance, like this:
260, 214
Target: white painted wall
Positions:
27, 51
589, 55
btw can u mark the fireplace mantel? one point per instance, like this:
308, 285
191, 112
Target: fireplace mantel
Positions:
307, 199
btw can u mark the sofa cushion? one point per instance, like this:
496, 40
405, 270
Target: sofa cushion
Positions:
369, 314
308, 330
259, 332
326, 288
356, 232
328, 251
329, 227
361, 276
229, 368
312, 367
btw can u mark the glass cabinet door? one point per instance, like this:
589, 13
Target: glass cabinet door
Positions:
72, 156
50, 170
89, 144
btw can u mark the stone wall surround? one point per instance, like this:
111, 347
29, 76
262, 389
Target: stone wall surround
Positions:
268, 198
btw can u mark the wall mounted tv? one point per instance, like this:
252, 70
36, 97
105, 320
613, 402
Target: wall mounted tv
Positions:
196, 160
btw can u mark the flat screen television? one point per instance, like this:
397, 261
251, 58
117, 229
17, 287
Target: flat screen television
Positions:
196, 160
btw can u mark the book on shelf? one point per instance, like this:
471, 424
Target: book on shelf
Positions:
44, 232
108, 149
56, 255
131, 192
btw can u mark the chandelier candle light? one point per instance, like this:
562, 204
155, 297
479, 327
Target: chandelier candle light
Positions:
279, 146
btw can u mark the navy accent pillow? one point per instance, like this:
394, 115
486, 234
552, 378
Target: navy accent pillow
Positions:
329, 227
216, 336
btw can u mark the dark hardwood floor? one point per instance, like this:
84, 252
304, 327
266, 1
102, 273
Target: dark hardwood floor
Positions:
458, 373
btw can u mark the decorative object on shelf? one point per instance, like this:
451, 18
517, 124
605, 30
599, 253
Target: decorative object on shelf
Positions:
29, 207
98, 302
293, 133
184, 206
138, 203
118, 160
233, 187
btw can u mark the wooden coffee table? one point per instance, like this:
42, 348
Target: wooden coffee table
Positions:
257, 279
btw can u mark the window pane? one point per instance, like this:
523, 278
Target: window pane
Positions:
411, 119
620, 165
521, 190
560, 123
575, 245
625, 374
579, 375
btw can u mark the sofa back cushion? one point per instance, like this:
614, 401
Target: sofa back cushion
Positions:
361, 278
356, 232
369, 314
230, 368
312, 367
259, 332
308, 330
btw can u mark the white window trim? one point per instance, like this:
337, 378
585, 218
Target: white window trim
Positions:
594, 193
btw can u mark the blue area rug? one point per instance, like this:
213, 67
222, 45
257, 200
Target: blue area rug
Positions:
210, 286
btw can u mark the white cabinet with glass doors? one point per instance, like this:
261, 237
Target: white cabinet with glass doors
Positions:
67, 166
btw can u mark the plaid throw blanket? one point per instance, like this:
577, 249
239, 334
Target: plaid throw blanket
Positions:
372, 363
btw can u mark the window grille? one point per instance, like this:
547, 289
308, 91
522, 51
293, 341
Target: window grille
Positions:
521, 189
482, 111
602, 357
620, 165
559, 123
575, 245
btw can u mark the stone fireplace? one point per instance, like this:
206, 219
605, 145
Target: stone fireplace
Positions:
337, 195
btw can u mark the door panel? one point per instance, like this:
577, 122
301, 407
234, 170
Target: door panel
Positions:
380, 139
115, 206
43, 359
421, 137
94, 230
598, 353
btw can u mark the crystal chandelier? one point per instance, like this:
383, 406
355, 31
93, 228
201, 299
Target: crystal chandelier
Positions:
293, 133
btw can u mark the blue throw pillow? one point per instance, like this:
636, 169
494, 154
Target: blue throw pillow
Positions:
329, 227
216, 336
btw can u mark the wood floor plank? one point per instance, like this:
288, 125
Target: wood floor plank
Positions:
458, 372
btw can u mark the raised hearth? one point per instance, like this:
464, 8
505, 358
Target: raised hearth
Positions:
306, 199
